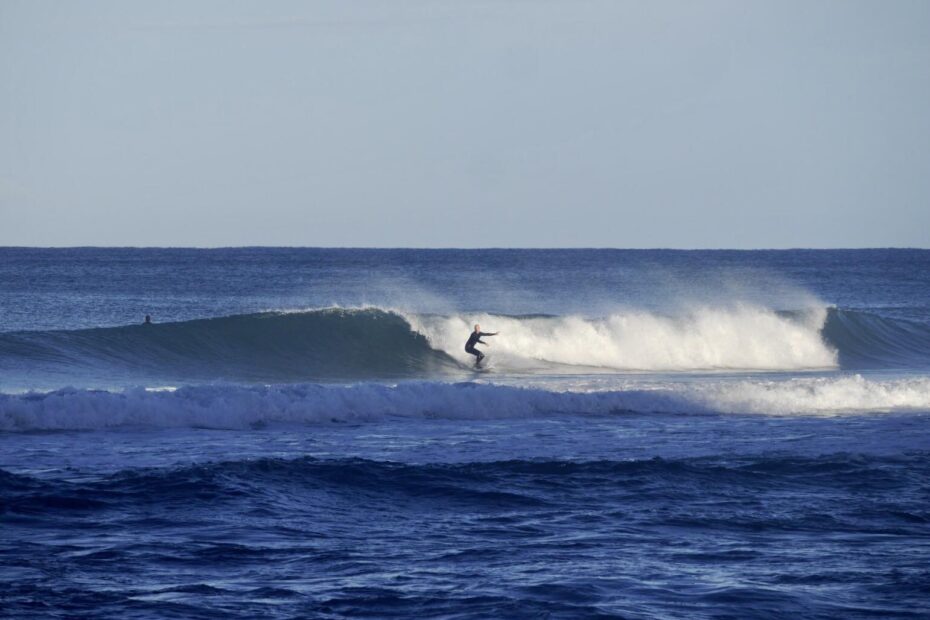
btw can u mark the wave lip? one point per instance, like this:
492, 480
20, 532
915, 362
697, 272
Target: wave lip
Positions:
242, 407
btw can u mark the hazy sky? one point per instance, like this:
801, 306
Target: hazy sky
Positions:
434, 123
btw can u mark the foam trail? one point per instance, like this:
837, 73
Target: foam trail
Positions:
244, 406
742, 337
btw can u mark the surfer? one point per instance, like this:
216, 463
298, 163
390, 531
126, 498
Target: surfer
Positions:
148, 319
474, 339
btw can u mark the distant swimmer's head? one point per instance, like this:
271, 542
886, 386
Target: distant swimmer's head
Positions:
477, 327
148, 319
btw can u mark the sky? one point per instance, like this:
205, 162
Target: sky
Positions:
433, 123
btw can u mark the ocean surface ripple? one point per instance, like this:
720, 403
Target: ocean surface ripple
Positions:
520, 537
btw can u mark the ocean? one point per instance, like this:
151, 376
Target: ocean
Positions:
300, 434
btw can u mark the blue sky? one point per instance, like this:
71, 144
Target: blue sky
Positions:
465, 124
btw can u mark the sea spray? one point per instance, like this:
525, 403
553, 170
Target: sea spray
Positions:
742, 337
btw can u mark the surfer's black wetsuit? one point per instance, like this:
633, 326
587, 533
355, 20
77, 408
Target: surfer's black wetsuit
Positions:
474, 339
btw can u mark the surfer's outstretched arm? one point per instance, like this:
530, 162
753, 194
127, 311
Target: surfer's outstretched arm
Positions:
486, 334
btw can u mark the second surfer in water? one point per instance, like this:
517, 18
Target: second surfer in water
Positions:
474, 339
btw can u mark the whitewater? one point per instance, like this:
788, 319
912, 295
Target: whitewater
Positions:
299, 433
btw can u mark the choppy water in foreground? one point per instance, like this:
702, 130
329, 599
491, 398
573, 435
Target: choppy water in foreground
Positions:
299, 434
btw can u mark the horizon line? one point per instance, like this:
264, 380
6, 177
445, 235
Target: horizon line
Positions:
450, 248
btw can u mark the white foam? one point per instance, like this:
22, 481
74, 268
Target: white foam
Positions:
242, 407
738, 337
823, 395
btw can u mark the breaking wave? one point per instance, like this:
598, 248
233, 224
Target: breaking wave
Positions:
373, 343
742, 337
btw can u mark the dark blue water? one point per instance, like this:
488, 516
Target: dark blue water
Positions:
660, 434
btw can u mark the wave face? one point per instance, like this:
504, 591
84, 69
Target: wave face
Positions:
864, 340
243, 407
329, 343
378, 343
